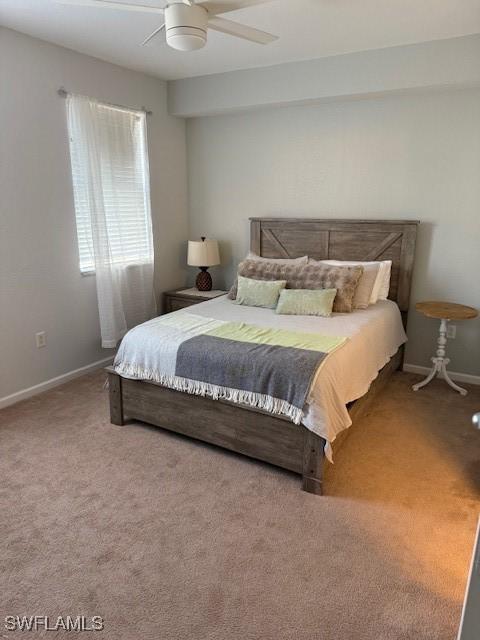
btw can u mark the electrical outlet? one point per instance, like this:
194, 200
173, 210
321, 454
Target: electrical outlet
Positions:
452, 331
41, 339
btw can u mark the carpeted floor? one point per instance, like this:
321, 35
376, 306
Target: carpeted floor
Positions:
169, 539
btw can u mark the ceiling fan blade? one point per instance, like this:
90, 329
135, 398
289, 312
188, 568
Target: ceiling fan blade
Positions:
215, 7
153, 34
109, 4
240, 30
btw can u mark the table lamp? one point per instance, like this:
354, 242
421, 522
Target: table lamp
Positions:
203, 253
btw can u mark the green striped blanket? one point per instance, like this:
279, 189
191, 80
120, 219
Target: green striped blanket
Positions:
263, 367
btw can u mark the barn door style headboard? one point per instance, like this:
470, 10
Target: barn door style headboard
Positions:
342, 240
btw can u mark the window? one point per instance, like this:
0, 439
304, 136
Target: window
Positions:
109, 159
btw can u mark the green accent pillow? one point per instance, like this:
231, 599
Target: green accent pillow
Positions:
259, 293
306, 302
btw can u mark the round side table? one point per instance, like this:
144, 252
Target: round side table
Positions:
443, 311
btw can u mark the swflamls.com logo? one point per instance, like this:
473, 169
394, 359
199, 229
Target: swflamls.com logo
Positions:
46, 623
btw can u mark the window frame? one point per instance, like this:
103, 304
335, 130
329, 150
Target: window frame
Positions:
88, 268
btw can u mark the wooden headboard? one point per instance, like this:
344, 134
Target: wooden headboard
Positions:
342, 240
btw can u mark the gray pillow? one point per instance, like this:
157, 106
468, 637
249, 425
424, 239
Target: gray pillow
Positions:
309, 276
254, 256
366, 284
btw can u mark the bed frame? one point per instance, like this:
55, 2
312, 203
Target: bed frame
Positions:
253, 432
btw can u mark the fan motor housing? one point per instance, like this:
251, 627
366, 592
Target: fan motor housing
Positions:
186, 26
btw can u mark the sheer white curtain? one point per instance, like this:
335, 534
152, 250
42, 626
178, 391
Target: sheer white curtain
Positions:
112, 204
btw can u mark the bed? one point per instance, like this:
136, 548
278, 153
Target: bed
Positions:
344, 388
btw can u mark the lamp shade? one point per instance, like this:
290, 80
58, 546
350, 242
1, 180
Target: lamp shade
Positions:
203, 253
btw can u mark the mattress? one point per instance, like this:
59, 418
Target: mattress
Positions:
374, 336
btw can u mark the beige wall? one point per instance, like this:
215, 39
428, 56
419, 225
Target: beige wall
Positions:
40, 283
414, 156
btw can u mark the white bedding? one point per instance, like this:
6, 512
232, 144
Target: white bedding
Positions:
375, 334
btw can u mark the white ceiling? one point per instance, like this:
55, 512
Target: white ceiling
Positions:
307, 29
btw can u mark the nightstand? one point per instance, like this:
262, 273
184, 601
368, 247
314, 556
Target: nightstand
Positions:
181, 298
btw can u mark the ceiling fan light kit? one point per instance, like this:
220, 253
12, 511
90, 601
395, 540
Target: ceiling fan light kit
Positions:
186, 22
186, 26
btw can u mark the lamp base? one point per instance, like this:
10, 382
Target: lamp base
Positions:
204, 280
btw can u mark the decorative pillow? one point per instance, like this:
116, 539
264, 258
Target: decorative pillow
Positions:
309, 276
363, 294
253, 256
259, 293
382, 280
306, 302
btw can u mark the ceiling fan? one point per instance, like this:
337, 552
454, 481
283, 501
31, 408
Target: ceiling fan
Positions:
186, 22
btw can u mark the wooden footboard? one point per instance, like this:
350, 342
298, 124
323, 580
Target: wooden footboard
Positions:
245, 430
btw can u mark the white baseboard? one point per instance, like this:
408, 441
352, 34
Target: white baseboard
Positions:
53, 382
455, 375
76, 373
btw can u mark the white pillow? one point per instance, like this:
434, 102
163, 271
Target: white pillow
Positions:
381, 284
253, 256
385, 273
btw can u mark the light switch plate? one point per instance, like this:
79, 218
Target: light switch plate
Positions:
452, 331
41, 339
